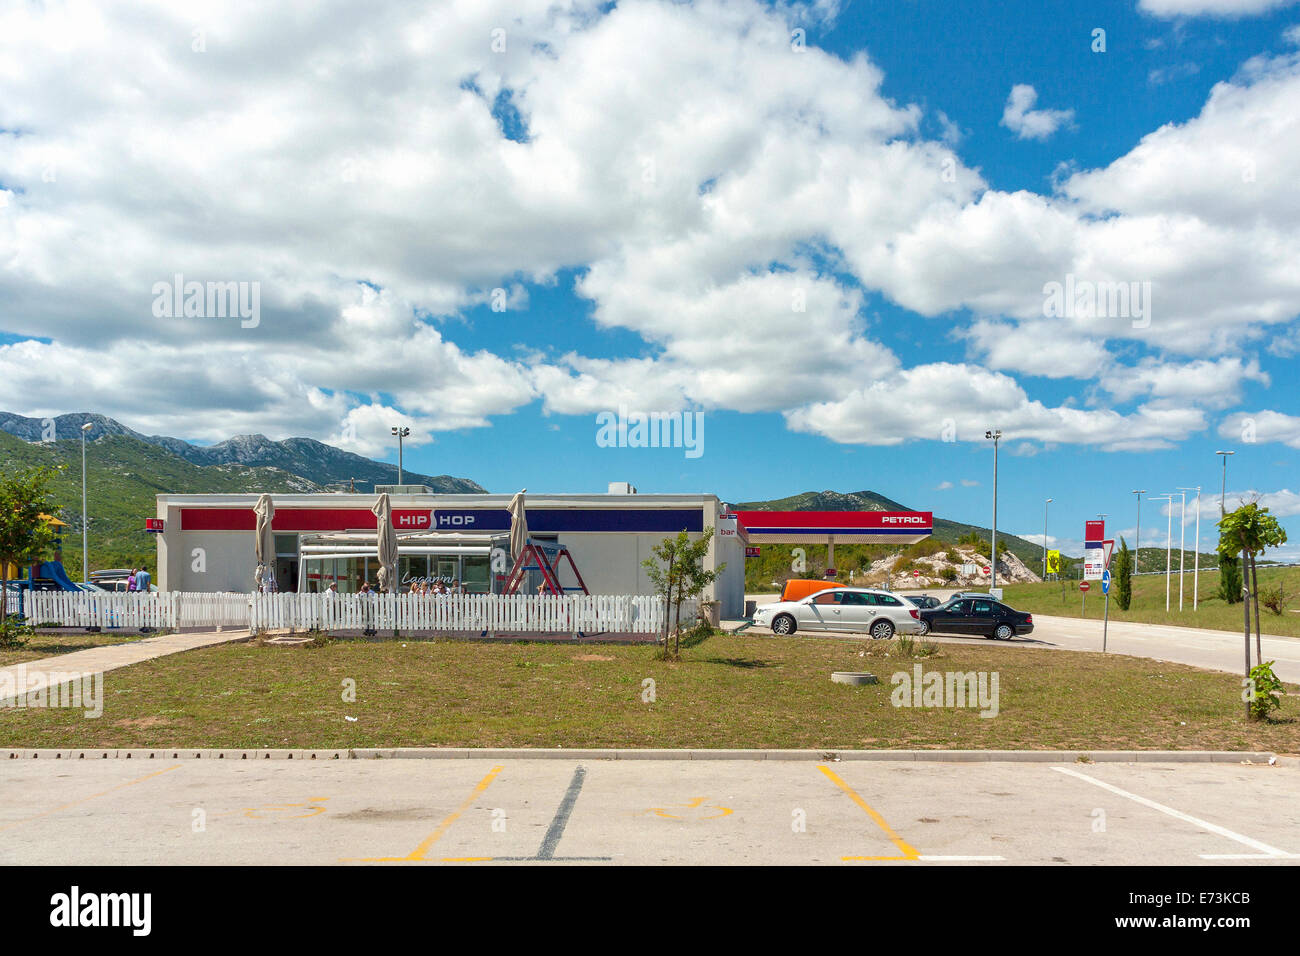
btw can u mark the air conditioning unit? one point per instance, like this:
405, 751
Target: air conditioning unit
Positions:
621, 488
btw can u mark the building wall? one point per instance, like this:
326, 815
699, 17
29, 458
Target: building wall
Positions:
610, 562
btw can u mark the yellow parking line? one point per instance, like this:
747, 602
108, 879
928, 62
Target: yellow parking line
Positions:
129, 783
909, 852
419, 853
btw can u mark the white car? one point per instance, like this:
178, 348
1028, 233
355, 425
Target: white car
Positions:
879, 613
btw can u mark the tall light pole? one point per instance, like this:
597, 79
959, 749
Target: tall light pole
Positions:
995, 436
400, 432
1182, 542
85, 550
1137, 538
1196, 574
1224, 490
1169, 540
1045, 504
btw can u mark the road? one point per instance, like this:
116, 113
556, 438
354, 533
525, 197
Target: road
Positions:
475, 812
1213, 650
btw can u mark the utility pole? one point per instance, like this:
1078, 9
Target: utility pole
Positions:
1137, 537
85, 550
1045, 504
995, 436
1182, 543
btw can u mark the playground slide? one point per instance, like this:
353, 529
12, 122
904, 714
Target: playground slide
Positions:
53, 570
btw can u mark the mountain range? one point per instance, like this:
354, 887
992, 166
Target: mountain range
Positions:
307, 458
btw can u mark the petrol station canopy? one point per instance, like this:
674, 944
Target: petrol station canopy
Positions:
835, 527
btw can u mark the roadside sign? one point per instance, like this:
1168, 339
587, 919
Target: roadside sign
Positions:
916, 574
753, 552
985, 570
1053, 562
1105, 581
1084, 585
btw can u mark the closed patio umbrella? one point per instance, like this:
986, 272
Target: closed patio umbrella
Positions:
518, 525
383, 510
265, 543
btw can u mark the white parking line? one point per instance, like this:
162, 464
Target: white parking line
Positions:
1266, 851
930, 858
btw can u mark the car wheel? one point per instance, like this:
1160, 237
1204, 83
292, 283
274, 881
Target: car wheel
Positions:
1003, 632
784, 624
925, 628
882, 630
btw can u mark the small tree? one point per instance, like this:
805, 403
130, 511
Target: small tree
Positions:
25, 535
678, 574
1250, 529
1124, 576
1229, 578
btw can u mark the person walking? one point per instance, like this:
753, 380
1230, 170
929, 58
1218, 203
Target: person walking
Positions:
142, 580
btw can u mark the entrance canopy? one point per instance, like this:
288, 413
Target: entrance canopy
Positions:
836, 527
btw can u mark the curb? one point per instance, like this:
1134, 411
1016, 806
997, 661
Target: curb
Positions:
471, 753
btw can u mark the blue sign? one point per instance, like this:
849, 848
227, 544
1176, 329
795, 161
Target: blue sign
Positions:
1105, 582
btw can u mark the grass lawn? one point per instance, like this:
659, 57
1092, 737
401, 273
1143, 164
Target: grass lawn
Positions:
730, 691
50, 645
1148, 605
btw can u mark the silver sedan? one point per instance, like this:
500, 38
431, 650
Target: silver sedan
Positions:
879, 613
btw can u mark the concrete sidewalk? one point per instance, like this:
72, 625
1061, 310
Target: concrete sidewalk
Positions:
31, 676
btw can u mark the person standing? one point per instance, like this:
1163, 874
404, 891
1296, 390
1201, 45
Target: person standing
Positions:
130, 580
142, 580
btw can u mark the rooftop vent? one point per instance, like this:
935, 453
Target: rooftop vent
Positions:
621, 488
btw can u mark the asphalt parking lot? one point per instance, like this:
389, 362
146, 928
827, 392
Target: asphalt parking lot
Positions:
1213, 650
558, 811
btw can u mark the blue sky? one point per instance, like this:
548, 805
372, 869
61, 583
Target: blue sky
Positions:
646, 186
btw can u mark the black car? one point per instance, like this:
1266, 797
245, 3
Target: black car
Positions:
922, 601
976, 617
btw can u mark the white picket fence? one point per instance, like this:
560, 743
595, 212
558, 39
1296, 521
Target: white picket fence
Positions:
491, 613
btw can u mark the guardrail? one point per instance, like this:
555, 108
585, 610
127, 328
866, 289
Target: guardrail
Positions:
491, 613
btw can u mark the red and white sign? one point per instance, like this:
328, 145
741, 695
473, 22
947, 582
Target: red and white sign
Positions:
1094, 530
155, 525
916, 574
1084, 586
753, 552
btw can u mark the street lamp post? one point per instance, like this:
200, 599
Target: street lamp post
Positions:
1196, 561
1169, 542
1224, 490
85, 549
1045, 504
400, 432
995, 436
1137, 537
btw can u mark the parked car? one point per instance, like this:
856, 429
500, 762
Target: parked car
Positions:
923, 601
90, 587
879, 613
976, 616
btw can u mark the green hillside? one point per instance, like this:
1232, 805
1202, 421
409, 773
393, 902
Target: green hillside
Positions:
122, 477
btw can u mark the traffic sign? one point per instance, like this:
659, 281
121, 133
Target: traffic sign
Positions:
1084, 585
1105, 581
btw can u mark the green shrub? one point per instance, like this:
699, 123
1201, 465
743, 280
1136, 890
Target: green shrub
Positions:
1266, 691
